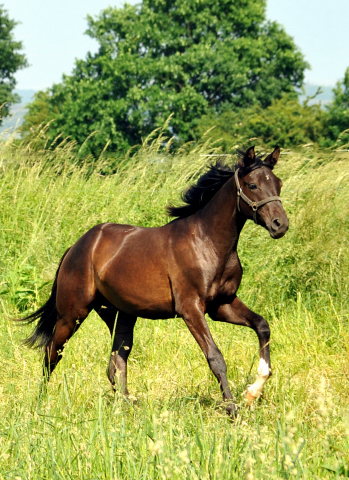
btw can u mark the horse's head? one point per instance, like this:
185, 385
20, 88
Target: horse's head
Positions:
258, 192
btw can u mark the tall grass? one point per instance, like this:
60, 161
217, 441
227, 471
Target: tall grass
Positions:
173, 426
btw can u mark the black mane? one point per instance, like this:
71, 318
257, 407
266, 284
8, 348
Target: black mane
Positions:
199, 194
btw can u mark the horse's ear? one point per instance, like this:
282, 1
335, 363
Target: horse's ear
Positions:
273, 157
249, 158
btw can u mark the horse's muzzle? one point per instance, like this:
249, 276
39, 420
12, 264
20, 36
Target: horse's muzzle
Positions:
278, 227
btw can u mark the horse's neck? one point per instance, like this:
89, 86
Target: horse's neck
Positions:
220, 220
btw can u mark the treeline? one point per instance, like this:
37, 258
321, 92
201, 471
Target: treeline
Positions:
192, 60
204, 64
285, 121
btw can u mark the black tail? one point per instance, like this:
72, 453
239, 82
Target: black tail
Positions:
47, 315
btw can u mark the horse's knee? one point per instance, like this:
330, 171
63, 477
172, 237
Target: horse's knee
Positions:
262, 328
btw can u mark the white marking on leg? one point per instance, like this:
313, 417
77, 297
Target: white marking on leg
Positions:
263, 368
255, 390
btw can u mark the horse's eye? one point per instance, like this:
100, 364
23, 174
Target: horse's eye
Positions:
252, 186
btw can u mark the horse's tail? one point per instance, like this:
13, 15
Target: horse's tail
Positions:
47, 315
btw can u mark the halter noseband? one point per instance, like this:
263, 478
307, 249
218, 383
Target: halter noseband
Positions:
253, 205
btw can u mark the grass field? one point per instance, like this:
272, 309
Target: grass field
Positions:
173, 427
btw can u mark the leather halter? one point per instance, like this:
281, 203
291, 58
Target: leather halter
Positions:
253, 205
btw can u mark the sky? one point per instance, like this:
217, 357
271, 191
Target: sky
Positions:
53, 35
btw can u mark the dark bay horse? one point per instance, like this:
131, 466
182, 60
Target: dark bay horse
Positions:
187, 268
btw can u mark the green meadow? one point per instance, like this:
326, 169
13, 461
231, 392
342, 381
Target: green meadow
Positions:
173, 426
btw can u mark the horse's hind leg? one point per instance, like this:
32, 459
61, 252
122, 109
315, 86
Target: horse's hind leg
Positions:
238, 313
75, 295
122, 335
74, 301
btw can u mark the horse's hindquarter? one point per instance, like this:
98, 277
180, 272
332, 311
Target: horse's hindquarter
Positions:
130, 266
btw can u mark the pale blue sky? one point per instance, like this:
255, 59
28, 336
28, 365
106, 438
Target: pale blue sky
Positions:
53, 35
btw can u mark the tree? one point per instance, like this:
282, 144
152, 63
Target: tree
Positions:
338, 110
172, 57
11, 60
285, 122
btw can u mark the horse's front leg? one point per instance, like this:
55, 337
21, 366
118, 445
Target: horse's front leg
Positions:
237, 313
194, 318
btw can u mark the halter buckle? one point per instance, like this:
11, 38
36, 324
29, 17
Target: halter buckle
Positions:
239, 192
254, 206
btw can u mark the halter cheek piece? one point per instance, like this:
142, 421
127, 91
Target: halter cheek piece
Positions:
253, 205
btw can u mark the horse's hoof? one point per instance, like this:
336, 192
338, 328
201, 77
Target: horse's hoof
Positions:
232, 410
249, 398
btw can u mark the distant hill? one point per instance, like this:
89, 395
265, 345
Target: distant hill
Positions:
310, 90
19, 110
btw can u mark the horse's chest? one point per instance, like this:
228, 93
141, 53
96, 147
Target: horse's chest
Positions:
231, 277
228, 282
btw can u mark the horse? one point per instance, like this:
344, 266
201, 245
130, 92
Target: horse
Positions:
188, 267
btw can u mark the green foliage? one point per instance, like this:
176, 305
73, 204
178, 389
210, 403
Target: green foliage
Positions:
338, 111
285, 122
23, 287
11, 60
164, 57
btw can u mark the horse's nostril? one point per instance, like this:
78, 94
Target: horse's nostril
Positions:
276, 224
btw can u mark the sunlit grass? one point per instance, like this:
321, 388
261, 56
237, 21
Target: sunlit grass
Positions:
174, 426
